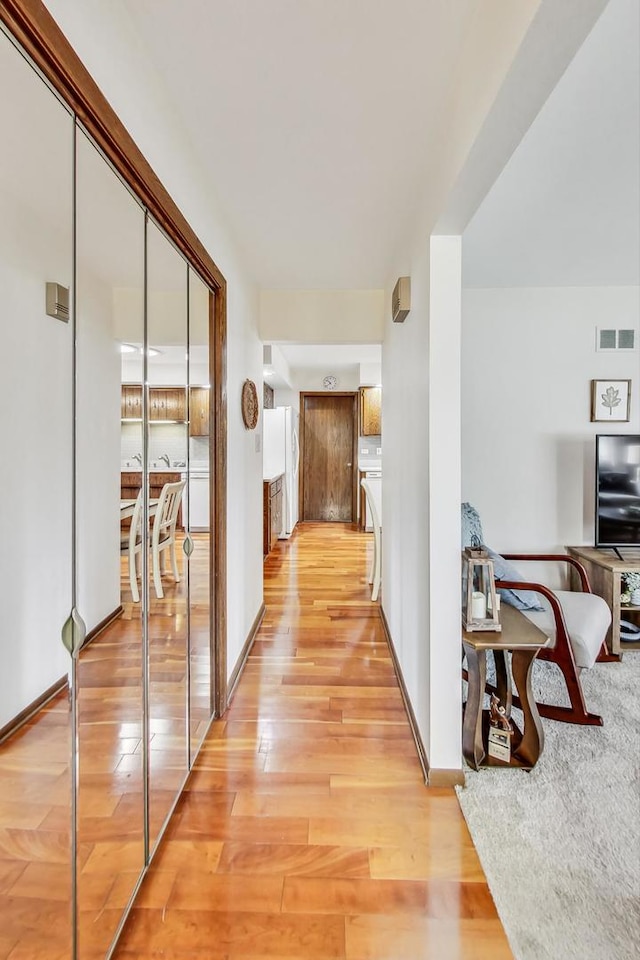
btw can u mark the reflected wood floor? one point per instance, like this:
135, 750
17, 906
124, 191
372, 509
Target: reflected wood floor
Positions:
307, 832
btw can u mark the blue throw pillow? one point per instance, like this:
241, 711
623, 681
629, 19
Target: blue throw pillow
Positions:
505, 570
471, 526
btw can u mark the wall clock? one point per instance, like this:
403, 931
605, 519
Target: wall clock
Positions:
330, 382
250, 405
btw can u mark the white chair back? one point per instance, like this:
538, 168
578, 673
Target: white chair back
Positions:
373, 492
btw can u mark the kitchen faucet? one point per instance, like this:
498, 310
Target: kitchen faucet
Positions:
138, 457
165, 457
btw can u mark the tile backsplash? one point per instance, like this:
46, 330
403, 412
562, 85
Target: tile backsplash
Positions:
164, 438
368, 448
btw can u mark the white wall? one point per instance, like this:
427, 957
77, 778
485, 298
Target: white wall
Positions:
528, 356
96, 29
322, 316
35, 388
480, 127
405, 488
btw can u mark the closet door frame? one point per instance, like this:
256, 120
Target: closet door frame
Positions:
35, 29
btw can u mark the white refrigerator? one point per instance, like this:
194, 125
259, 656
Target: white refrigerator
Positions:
281, 455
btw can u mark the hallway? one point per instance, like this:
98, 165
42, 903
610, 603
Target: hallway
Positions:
307, 832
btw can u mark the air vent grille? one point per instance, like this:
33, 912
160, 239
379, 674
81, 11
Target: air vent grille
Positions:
626, 339
611, 338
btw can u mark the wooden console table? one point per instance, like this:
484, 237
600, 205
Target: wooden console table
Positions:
605, 571
523, 639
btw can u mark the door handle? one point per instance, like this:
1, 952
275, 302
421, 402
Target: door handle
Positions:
187, 545
349, 464
74, 631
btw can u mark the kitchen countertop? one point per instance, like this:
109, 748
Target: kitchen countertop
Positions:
162, 469
276, 476
369, 464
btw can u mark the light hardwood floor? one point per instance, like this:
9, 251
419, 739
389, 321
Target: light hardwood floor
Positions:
307, 832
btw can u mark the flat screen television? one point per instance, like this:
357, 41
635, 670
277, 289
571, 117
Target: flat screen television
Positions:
617, 490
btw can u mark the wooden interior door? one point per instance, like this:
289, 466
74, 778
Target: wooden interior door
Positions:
328, 456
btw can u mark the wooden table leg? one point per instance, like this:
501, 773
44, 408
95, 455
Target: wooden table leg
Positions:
472, 746
532, 742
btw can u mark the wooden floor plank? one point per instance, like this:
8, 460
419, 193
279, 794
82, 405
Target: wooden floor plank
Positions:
306, 831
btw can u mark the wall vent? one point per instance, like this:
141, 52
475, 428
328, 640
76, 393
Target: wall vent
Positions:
611, 338
401, 300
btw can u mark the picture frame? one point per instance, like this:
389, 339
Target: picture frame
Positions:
610, 401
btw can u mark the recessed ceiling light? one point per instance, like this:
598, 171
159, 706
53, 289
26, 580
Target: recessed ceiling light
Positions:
128, 348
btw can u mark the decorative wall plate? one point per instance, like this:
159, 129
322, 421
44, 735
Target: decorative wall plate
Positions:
250, 405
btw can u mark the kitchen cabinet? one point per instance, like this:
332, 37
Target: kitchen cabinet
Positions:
199, 411
370, 411
272, 514
167, 403
131, 404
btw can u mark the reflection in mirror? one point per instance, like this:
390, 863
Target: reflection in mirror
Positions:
109, 533
167, 582
200, 673
36, 246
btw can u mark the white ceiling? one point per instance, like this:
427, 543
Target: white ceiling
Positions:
314, 120
325, 355
318, 124
566, 209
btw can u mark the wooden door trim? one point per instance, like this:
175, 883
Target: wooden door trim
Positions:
37, 32
354, 453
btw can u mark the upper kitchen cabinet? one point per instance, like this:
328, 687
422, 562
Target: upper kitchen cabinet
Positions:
199, 411
167, 403
131, 401
370, 411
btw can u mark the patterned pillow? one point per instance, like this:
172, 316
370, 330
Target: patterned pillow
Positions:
471, 526
505, 570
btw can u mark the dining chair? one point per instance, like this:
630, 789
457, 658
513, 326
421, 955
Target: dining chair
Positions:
131, 544
373, 493
163, 533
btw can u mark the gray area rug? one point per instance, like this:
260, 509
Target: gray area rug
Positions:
561, 845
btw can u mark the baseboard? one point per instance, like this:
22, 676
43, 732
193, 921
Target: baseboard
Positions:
446, 778
433, 777
246, 650
420, 747
18, 721
104, 623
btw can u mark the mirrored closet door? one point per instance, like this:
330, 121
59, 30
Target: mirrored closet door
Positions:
199, 516
106, 668
110, 524
167, 489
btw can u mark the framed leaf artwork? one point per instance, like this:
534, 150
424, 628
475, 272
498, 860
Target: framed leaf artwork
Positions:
610, 401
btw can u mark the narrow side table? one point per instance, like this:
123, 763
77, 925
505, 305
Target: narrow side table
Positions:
523, 639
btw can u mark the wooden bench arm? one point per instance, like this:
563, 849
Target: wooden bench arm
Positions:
582, 573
